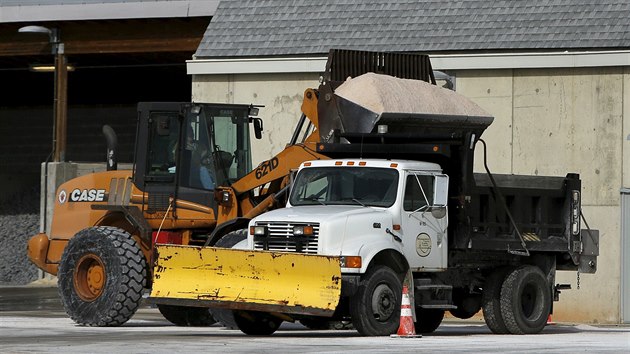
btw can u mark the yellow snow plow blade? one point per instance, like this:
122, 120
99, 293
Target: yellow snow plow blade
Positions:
246, 280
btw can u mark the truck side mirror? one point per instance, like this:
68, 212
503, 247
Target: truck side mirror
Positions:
258, 127
440, 197
438, 212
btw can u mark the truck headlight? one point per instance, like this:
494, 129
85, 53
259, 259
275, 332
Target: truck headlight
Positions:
303, 230
258, 230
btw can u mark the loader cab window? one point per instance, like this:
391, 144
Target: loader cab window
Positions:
217, 150
418, 192
162, 155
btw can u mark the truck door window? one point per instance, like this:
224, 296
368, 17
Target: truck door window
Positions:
418, 192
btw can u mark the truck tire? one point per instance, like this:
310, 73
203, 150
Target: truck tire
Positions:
525, 300
256, 323
491, 301
226, 316
428, 320
101, 276
375, 308
187, 316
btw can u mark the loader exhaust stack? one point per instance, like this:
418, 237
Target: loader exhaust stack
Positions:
112, 144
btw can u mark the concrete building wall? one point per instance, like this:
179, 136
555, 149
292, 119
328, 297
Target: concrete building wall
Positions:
547, 122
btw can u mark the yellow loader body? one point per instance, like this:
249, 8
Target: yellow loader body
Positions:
246, 280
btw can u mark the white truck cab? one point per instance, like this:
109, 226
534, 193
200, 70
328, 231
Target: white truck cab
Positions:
358, 208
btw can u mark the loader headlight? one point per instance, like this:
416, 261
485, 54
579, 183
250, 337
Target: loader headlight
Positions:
258, 230
303, 230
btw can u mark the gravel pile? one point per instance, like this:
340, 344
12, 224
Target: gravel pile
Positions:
383, 93
19, 220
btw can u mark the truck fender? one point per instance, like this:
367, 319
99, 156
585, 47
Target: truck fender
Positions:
375, 250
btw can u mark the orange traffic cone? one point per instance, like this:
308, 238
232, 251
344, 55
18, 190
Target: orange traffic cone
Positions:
550, 321
406, 328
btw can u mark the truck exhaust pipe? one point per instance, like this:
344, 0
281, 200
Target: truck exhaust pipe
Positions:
112, 144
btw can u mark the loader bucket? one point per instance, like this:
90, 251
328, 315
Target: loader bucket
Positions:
246, 280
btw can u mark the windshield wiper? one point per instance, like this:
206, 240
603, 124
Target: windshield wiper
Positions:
357, 201
315, 199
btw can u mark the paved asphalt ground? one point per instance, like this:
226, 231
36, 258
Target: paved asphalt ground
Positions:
32, 321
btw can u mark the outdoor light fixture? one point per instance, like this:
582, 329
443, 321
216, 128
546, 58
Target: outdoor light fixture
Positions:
61, 86
47, 68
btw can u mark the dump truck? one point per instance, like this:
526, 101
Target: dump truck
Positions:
397, 202
192, 183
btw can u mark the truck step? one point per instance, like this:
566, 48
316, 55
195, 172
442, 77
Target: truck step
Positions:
433, 287
443, 307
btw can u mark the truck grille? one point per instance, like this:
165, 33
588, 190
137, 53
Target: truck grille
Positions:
281, 238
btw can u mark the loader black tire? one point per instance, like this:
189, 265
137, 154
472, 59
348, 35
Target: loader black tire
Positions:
491, 301
525, 300
226, 316
256, 323
187, 316
101, 276
317, 323
375, 308
428, 320
467, 304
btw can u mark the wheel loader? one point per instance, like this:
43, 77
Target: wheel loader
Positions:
192, 184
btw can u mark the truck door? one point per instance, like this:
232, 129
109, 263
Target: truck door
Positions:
424, 223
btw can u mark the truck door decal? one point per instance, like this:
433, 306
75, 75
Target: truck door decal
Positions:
423, 244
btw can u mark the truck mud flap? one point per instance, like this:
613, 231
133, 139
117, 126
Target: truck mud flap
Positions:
246, 280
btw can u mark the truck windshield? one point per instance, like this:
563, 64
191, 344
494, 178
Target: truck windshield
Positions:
366, 186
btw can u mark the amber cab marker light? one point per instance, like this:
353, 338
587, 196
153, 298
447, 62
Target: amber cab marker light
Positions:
351, 261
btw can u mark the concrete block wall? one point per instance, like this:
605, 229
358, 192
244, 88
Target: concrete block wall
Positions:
547, 122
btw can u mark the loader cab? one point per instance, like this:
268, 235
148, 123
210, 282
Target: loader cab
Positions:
186, 150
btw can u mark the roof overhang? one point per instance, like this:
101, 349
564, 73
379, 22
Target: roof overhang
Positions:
108, 10
317, 64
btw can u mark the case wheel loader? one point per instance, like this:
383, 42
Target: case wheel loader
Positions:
192, 184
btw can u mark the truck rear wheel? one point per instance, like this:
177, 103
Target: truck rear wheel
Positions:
375, 308
491, 301
187, 316
525, 300
226, 316
256, 323
101, 276
428, 320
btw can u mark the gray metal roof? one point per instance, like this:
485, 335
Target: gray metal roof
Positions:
68, 10
306, 27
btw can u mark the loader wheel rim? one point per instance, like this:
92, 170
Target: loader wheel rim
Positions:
383, 302
89, 277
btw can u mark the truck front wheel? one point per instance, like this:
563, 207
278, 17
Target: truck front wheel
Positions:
525, 300
101, 276
375, 308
